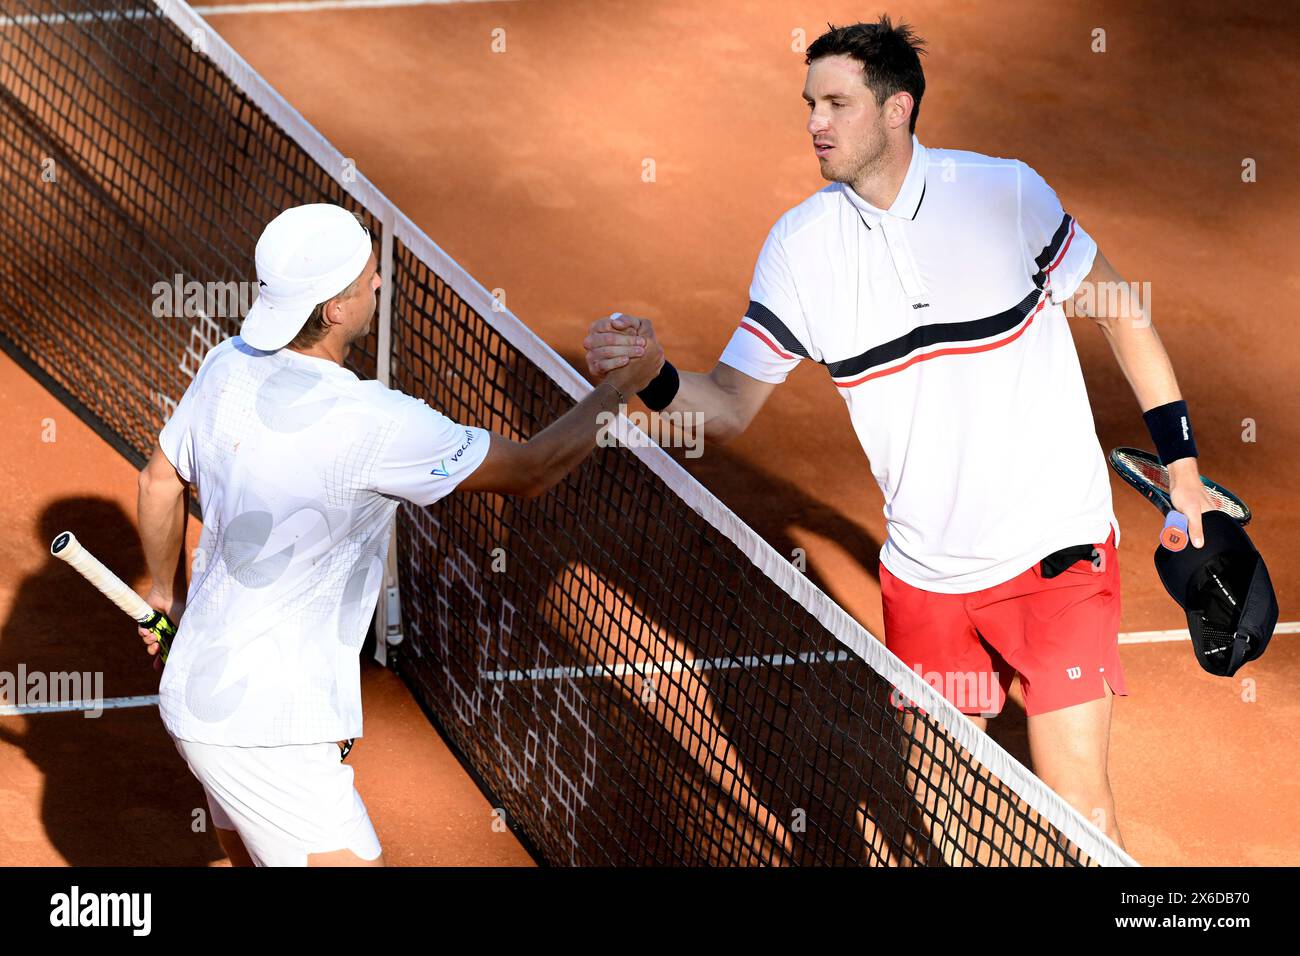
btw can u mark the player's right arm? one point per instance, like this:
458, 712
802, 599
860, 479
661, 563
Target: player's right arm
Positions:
725, 399
429, 456
531, 468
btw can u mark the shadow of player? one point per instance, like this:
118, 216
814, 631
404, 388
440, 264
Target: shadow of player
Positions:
114, 790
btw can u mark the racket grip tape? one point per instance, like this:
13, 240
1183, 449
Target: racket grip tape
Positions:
67, 548
163, 628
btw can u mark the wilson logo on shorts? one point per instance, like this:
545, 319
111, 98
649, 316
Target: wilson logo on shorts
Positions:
1074, 673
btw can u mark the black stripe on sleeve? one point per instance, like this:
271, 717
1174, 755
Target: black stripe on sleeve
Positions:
757, 312
1044, 258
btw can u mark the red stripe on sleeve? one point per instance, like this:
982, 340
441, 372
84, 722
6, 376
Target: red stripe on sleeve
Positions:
766, 341
1068, 239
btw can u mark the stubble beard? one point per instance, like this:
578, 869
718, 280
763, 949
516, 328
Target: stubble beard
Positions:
871, 158
869, 163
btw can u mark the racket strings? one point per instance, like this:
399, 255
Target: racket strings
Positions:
1226, 504
1158, 476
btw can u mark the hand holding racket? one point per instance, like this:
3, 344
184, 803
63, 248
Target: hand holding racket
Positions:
153, 622
1144, 472
159, 645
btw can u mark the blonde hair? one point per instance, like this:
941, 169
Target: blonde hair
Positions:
316, 328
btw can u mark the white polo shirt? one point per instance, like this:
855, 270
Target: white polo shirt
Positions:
298, 465
940, 323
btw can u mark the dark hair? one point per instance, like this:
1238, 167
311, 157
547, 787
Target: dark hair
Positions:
889, 56
315, 328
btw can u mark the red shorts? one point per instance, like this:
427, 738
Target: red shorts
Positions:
1061, 635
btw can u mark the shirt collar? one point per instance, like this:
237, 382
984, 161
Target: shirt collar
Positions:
324, 366
907, 203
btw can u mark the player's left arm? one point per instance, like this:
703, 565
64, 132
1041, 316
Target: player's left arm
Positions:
1125, 321
161, 511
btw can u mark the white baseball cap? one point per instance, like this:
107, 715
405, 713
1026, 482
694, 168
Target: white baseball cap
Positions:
305, 256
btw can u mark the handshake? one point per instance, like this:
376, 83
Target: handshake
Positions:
623, 351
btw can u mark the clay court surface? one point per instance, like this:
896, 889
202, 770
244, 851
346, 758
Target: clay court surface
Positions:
528, 165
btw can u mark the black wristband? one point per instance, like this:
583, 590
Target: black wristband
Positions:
661, 391
1171, 430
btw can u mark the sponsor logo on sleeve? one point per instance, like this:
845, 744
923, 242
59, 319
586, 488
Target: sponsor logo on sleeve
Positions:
442, 471
469, 440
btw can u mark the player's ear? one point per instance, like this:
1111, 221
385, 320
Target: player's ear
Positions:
901, 105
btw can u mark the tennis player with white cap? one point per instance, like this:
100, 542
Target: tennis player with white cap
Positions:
299, 465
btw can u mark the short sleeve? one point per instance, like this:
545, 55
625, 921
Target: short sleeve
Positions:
177, 437
428, 456
772, 337
1056, 243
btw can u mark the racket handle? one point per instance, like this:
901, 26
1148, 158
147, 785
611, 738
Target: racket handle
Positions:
1174, 534
67, 548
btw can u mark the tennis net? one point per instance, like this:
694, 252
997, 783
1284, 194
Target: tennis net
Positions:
632, 673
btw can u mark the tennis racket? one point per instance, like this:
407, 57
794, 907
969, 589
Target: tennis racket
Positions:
67, 548
1144, 472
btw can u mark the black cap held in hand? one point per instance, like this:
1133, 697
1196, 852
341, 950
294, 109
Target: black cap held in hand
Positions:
1225, 589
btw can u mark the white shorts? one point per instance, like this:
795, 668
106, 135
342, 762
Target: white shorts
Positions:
285, 802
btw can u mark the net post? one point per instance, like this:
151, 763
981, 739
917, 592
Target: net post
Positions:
384, 348
388, 615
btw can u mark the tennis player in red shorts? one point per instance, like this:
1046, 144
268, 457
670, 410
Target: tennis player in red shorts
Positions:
1058, 631
932, 284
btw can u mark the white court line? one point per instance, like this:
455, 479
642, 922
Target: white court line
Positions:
597, 670
1159, 637
70, 706
780, 660
235, 9
666, 667
306, 6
